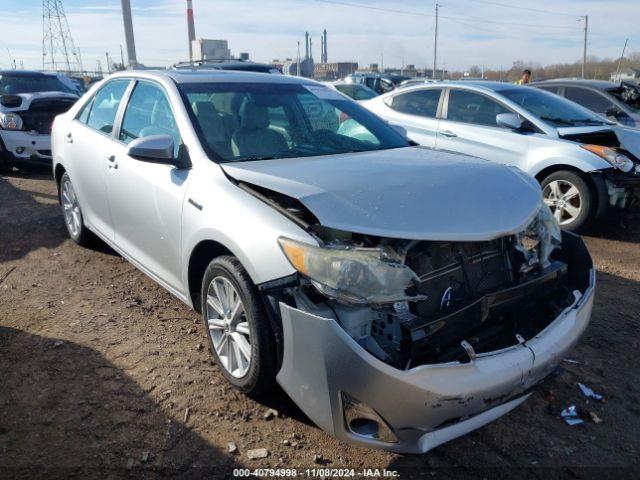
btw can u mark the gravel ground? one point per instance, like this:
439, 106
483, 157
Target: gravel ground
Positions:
103, 372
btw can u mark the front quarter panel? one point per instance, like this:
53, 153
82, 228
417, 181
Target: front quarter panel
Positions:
245, 225
545, 152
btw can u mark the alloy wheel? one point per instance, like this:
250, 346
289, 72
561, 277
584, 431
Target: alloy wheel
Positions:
228, 327
564, 200
71, 208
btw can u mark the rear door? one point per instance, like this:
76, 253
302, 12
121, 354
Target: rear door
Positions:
87, 141
469, 126
417, 112
595, 101
146, 198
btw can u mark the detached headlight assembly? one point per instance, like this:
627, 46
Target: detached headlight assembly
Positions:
10, 121
351, 275
540, 239
615, 158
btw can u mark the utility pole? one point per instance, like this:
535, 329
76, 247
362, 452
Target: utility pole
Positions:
584, 53
435, 44
618, 70
122, 57
108, 63
128, 33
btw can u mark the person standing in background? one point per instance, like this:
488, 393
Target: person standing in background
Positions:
526, 77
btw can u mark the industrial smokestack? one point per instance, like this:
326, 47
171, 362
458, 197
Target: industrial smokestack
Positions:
310, 47
128, 33
322, 49
326, 53
191, 29
306, 45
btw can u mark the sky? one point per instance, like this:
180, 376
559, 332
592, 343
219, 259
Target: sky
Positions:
471, 32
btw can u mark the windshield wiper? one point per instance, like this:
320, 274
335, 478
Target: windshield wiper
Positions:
560, 121
253, 159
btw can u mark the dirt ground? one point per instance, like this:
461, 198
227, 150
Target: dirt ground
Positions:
103, 373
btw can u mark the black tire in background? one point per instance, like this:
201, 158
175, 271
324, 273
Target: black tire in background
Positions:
585, 199
262, 367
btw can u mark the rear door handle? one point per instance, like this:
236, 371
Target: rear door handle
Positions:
111, 160
69, 138
448, 133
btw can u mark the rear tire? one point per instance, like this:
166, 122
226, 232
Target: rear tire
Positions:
73, 218
243, 345
571, 199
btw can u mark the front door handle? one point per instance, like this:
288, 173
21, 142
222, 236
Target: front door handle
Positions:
69, 138
111, 161
448, 133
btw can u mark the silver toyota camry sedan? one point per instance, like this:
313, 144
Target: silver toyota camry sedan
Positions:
401, 296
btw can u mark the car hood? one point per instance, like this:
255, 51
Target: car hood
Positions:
409, 193
629, 138
28, 98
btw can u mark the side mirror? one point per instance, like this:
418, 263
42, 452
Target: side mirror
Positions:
155, 149
509, 120
10, 101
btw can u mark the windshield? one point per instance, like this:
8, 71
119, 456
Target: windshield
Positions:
553, 109
628, 94
263, 121
14, 84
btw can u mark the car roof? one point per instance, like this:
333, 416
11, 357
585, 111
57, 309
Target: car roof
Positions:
485, 85
22, 73
597, 84
185, 76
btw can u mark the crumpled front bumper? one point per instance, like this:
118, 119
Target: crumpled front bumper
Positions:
27, 147
424, 406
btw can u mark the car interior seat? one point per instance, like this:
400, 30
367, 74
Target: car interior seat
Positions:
255, 138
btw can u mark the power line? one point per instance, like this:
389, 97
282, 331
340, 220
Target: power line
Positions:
506, 5
421, 14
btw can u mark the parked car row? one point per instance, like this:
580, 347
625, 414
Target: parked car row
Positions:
402, 296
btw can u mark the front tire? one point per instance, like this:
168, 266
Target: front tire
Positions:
237, 326
570, 198
72, 212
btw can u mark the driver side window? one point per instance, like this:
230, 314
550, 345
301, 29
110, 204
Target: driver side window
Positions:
149, 113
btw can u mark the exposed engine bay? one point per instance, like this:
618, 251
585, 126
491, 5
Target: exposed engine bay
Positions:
462, 298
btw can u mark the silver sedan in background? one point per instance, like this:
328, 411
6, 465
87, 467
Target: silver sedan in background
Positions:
402, 297
584, 162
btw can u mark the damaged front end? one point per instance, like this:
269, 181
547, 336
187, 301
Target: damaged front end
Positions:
619, 186
403, 345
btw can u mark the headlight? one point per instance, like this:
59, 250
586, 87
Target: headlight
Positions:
539, 239
350, 274
10, 121
615, 158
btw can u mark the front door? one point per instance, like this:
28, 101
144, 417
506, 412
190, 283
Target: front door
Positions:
146, 198
470, 127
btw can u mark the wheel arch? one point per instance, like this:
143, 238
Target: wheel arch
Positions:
58, 172
201, 255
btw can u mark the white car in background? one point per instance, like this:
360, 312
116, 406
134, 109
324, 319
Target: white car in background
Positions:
584, 162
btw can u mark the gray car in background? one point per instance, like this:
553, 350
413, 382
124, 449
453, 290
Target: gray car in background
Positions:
402, 297
585, 163
619, 101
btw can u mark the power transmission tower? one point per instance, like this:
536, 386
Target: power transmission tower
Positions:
58, 50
